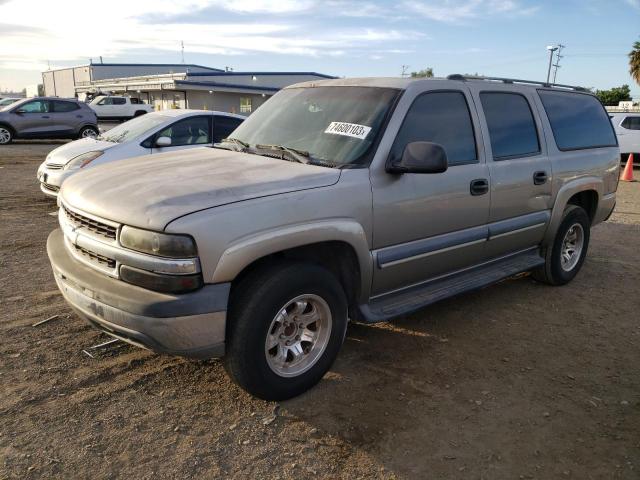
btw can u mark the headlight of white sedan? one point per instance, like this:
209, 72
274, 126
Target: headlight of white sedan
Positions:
82, 160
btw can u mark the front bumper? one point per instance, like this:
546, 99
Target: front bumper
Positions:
51, 180
188, 325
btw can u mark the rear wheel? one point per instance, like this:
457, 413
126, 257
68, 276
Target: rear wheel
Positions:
88, 132
6, 135
565, 257
139, 112
286, 326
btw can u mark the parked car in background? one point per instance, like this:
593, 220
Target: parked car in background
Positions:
8, 101
627, 127
156, 132
118, 108
338, 199
47, 117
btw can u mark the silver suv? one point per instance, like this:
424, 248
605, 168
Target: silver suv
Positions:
361, 199
47, 117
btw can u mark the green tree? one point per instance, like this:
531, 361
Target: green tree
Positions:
634, 62
612, 97
426, 73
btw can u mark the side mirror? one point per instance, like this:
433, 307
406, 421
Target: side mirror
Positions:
420, 157
163, 142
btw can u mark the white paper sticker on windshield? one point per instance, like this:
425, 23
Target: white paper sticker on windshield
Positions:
348, 130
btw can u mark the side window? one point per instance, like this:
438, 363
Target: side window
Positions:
136, 101
512, 129
60, 107
443, 118
578, 120
631, 123
119, 100
106, 101
37, 106
190, 131
223, 127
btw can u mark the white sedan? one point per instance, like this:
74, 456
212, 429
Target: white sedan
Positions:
155, 132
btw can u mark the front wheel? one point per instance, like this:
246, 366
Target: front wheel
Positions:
88, 132
564, 258
286, 326
6, 135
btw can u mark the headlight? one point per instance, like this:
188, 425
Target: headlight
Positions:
82, 160
161, 244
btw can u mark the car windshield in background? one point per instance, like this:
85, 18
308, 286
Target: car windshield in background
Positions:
336, 125
133, 128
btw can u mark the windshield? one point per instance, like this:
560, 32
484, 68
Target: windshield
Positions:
336, 125
133, 128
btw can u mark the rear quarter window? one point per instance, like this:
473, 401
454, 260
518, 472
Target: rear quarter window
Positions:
578, 120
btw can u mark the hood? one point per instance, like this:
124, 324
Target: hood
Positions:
149, 192
62, 155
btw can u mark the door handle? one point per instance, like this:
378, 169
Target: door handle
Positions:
479, 186
540, 178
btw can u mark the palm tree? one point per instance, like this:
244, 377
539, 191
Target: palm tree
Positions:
634, 62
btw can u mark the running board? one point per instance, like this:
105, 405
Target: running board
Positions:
413, 298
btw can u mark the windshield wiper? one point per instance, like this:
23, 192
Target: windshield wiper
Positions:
243, 145
300, 156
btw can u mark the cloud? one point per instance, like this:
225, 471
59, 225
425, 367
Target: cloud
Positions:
453, 11
634, 3
59, 32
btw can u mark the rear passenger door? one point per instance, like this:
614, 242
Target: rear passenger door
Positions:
519, 168
427, 225
65, 116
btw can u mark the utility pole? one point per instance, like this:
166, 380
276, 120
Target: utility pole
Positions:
182, 50
404, 71
551, 49
557, 64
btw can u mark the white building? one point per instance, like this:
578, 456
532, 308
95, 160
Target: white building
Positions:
174, 85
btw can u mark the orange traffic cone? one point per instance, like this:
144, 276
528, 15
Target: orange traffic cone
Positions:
627, 175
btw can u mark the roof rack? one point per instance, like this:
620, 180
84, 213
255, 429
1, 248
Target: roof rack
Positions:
464, 78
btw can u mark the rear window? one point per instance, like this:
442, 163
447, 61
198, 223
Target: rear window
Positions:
512, 129
578, 120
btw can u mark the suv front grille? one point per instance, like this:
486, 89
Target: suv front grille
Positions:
53, 166
102, 229
95, 257
51, 188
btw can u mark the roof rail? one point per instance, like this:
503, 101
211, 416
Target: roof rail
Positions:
464, 78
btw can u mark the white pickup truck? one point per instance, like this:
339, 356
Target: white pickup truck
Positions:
119, 108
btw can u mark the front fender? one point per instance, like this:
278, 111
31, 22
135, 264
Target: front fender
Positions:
247, 250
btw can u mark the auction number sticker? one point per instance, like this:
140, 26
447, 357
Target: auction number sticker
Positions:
348, 130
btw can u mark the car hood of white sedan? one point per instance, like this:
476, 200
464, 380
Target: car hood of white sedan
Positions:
152, 191
62, 155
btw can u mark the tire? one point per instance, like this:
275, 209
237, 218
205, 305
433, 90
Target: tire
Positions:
556, 270
257, 314
88, 132
6, 135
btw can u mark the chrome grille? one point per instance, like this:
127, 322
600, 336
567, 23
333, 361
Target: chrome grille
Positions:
53, 166
95, 257
102, 229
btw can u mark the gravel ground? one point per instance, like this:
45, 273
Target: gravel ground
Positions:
519, 380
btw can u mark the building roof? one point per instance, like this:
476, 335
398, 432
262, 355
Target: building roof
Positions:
227, 85
231, 74
181, 65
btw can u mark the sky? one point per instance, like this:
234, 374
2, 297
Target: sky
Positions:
338, 37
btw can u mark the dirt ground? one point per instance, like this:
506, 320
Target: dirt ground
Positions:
517, 381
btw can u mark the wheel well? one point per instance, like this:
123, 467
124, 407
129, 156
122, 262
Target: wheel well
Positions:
336, 256
139, 112
588, 200
9, 127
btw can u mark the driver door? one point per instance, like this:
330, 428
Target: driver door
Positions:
428, 225
33, 119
